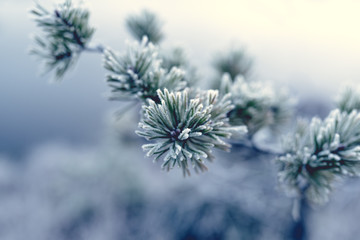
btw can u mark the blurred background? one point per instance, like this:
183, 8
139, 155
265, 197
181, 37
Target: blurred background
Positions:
68, 170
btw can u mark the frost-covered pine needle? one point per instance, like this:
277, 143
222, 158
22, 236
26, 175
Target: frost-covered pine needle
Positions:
185, 130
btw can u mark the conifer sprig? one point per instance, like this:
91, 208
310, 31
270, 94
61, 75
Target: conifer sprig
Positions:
66, 33
146, 24
177, 57
235, 62
349, 99
319, 154
185, 130
256, 104
138, 74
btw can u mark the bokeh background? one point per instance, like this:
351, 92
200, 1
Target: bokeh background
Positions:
68, 170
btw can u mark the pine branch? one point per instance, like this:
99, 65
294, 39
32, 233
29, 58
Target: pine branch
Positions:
187, 124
